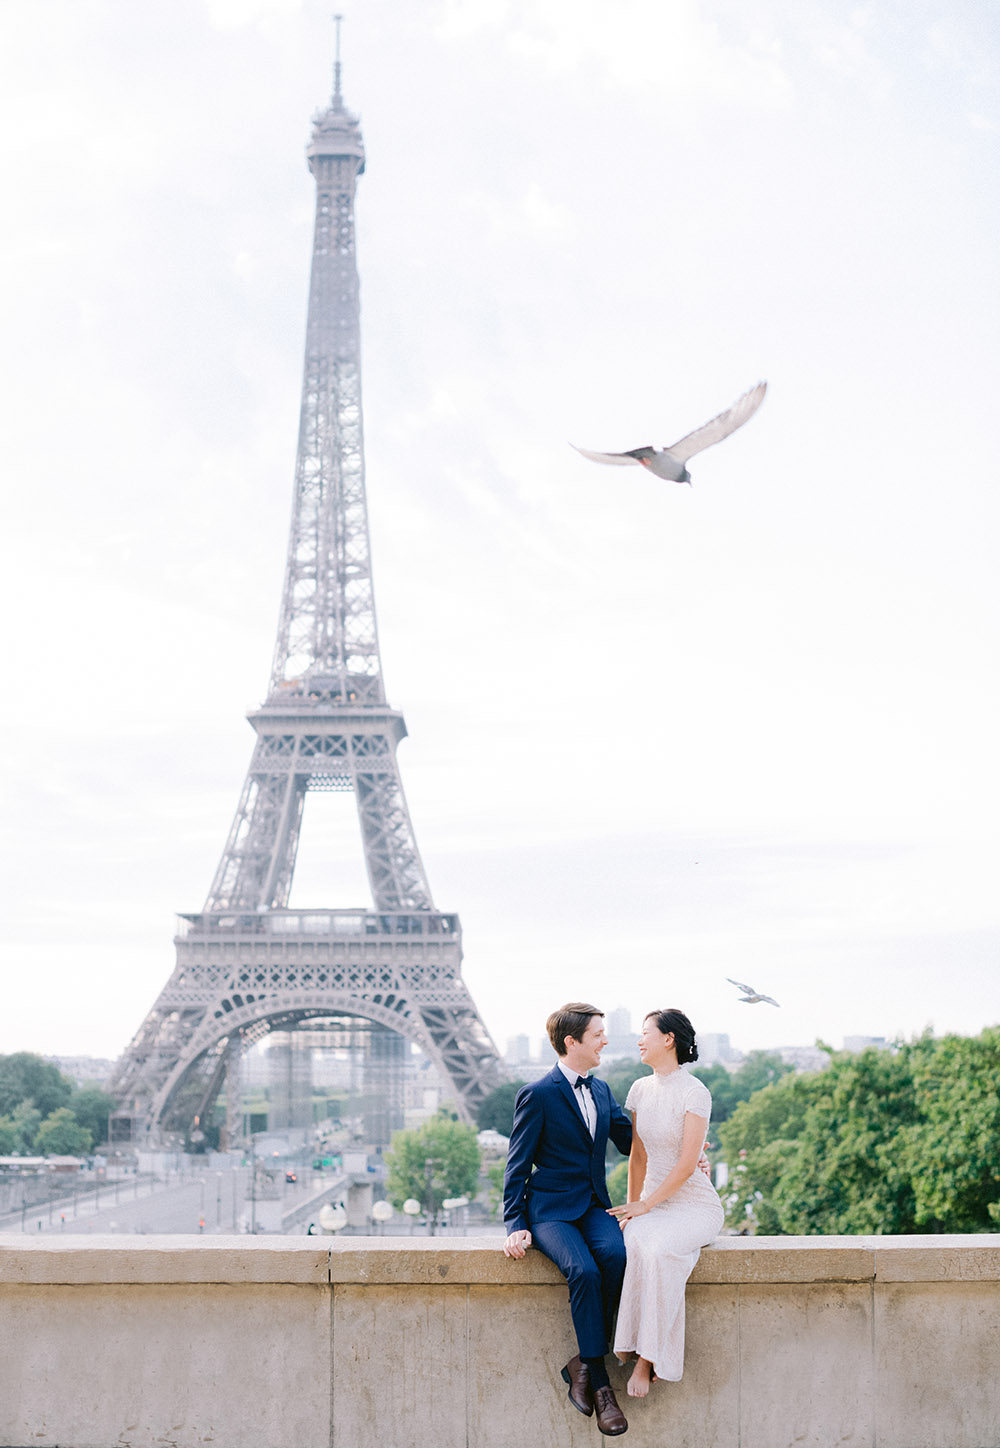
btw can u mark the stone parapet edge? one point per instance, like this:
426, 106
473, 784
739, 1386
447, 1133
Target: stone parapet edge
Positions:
92, 1260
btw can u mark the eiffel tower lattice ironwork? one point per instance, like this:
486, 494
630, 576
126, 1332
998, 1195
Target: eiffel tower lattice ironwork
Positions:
247, 963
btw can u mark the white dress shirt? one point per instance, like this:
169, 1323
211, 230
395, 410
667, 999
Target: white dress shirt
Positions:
585, 1097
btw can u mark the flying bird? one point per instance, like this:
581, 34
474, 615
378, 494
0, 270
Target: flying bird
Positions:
668, 462
751, 997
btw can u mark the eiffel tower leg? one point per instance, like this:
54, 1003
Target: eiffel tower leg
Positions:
232, 1132
256, 867
395, 871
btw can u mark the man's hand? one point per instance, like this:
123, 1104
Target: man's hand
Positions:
516, 1243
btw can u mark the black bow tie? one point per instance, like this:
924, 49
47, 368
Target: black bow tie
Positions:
584, 1081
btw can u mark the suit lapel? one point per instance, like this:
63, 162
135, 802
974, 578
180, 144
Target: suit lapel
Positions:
570, 1099
603, 1113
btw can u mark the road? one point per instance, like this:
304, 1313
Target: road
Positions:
209, 1202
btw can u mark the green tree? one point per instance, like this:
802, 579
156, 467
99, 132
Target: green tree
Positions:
27, 1077
496, 1111
845, 1174
8, 1136
950, 1152
756, 1142
620, 1075
91, 1108
60, 1134
495, 1175
25, 1119
618, 1184
892, 1141
729, 1088
441, 1159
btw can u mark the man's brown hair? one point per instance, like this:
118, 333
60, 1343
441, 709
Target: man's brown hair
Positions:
569, 1020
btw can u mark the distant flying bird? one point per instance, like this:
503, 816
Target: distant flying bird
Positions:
750, 997
668, 462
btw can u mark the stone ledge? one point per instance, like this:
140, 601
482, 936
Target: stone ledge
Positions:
786, 1259
89, 1260
421, 1261
948, 1258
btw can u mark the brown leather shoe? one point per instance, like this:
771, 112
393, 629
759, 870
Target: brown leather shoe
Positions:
577, 1374
610, 1418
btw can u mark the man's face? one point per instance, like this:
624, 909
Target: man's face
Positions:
583, 1055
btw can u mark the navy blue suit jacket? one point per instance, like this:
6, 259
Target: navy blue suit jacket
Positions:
554, 1167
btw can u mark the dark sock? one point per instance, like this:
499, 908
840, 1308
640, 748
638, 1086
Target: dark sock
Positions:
598, 1373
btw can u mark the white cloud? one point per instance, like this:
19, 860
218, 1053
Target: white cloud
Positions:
226, 15
662, 54
530, 217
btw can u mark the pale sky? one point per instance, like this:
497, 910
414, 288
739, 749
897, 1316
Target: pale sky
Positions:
658, 736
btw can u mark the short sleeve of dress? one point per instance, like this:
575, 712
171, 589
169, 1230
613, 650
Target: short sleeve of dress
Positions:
697, 1098
632, 1099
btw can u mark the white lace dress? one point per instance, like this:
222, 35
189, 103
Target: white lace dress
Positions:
664, 1245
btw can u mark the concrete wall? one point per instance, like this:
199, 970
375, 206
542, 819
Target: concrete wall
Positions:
180, 1342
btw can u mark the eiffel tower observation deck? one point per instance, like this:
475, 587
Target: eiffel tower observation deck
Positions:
247, 964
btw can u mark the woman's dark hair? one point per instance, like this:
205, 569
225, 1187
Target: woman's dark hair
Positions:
676, 1024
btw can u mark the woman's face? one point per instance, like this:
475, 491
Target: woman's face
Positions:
654, 1046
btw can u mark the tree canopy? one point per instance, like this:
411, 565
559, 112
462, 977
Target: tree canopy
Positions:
32, 1092
60, 1134
25, 1120
91, 1108
901, 1140
496, 1111
26, 1077
618, 1183
728, 1088
620, 1075
440, 1159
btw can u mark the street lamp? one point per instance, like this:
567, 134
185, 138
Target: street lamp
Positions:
453, 1204
332, 1218
382, 1213
412, 1209
429, 1164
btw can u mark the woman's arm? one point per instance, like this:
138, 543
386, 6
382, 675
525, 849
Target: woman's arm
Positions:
695, 1128
636, 1165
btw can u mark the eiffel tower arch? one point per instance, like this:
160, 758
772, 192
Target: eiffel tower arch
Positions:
247, 964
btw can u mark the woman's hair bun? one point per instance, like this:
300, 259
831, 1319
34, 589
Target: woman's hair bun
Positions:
675, 1023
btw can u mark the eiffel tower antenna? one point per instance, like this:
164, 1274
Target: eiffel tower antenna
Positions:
386, 972
337, 101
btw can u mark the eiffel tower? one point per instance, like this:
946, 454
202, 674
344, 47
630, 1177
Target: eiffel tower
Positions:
247, 964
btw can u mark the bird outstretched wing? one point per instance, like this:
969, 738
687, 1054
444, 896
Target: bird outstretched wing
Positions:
747, 989
620, 459
719, 427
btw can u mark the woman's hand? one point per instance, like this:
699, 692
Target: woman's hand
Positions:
628, 1211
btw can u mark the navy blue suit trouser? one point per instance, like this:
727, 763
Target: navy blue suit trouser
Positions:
590, 1254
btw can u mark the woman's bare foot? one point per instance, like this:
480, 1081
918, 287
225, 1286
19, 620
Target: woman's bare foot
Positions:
638, 1383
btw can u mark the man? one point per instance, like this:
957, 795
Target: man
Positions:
561, 1129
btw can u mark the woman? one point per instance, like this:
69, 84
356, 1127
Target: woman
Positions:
672, 1209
